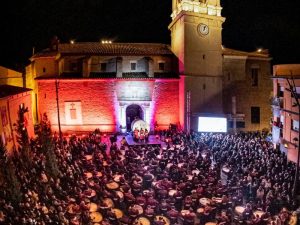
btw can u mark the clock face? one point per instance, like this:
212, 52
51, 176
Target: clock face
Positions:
203, 29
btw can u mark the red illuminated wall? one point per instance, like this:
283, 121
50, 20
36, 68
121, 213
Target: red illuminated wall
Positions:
99, 103
97, 98
166, 103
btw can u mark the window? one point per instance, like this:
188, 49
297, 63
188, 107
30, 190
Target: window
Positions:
161, 66
295, 125
254, 77
44, 70
74, 66
133, 66
73, 113
255, 115
103, 67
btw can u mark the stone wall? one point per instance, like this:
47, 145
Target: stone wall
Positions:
238, 82
100, 107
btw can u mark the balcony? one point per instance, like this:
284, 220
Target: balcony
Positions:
278, 124
277, 102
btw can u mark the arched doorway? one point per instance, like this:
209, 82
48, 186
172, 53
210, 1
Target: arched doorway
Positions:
133, 112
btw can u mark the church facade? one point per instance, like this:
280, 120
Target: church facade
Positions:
108, 85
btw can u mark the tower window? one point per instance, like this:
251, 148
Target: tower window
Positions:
254, 77
103, 67
255, 114
133, 66
73, 112
161, 66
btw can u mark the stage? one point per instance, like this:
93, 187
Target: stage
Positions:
152, 141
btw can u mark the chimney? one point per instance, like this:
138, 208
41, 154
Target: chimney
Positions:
54, 44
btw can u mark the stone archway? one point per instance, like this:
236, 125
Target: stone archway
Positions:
133, 112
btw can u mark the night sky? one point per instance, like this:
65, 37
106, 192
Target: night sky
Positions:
250, 24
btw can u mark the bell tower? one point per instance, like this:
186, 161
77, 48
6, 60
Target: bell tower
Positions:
196, 40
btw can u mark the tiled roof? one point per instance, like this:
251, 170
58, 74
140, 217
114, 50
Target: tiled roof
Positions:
97, 48
135, 75
233, 52
8, 90
44, 54
115, 48
103, 75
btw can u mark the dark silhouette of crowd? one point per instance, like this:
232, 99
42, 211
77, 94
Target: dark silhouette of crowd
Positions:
194, 179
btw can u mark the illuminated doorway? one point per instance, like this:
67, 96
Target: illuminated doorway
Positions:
133, 112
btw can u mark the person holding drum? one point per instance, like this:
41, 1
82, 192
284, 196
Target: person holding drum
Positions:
142, 135
136, 134
146, 135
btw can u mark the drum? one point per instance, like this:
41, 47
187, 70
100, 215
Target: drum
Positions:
93, 207
118, 213
225, 169
184, 212
120, 194
88, 175
96, 217
138, 208
181, 165
142, 221
169, 165
239, 209
88, 157
200, 210
259, 213
196, 172
217, 200
71, 207
90, 193
112, 185
108, 202
204, 201
117, 178
162, 218
98, 174
172, 192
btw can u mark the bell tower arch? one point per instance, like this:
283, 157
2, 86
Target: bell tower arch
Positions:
196, 40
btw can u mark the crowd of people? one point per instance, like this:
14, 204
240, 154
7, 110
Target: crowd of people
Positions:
194, 179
